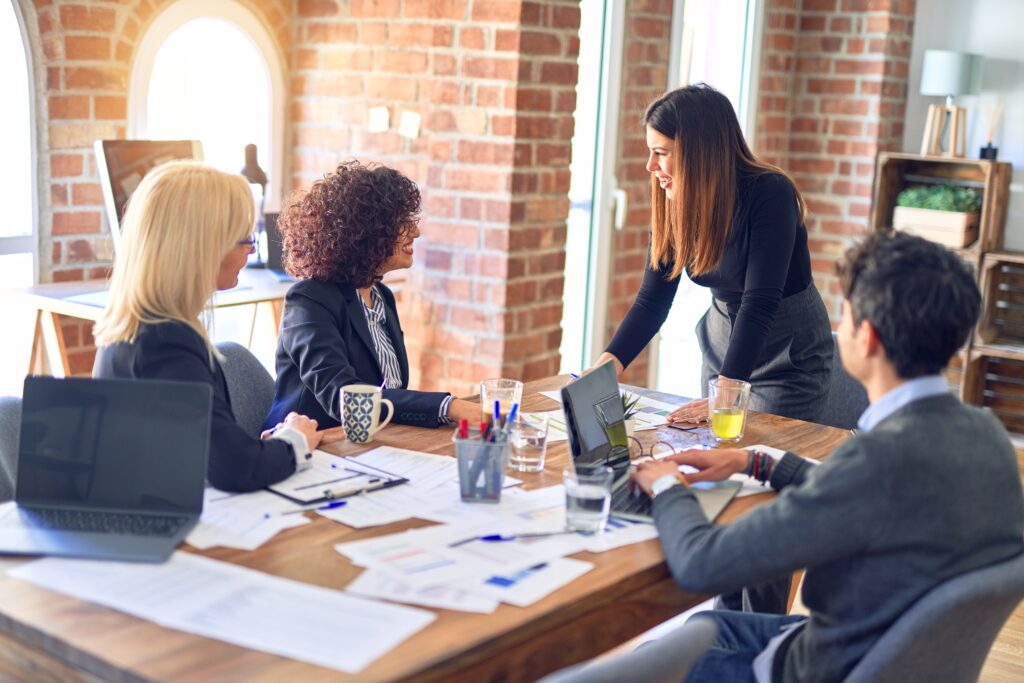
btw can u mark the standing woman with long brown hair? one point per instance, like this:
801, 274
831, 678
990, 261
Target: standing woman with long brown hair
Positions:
735, 225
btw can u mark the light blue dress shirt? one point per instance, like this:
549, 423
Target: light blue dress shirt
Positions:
908, 392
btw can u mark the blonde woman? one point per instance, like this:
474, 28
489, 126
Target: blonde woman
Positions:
187, 233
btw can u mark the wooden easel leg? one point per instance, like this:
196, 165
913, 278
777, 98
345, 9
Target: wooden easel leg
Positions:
56, 352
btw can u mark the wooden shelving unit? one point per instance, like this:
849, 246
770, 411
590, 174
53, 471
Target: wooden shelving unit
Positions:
989, 370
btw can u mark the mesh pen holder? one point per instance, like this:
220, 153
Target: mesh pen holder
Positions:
481, 466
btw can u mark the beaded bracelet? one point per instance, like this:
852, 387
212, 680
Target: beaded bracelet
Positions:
759, 466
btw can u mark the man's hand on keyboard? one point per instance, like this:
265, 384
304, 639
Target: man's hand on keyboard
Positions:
712, 464
648, 472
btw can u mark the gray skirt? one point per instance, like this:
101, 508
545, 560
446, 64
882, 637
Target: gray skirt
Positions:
792, 376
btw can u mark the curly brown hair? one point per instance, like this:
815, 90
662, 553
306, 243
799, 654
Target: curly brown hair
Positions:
346, 227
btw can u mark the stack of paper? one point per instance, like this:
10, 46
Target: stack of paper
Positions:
238, 605
242, 520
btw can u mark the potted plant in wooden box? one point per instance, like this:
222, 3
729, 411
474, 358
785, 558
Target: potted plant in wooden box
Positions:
947, 214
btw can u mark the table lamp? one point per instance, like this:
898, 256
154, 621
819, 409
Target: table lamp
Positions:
948, 74
256, 176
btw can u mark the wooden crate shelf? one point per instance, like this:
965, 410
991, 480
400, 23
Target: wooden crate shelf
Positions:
989, 370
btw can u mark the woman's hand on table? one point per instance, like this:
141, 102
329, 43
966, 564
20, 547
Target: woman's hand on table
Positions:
304, 425
694, 412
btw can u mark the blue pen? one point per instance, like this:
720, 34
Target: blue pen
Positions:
498, 538
497, 412
328, 506
574, 375
512, 414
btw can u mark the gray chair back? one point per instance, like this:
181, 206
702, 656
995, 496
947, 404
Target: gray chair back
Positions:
10, 429
250, 386
666, 660
847, 399
946, 635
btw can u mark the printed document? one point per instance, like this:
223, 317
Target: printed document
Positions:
237, 605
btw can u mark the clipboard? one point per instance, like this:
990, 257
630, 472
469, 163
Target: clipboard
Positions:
334, 478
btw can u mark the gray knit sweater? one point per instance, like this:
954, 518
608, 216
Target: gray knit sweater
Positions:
932, 491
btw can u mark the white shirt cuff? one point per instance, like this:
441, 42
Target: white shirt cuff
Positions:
300, 447
663, 483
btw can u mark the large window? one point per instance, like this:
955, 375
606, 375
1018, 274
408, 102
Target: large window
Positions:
17, 172
207, 70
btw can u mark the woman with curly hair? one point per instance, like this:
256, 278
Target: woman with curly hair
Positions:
340, 324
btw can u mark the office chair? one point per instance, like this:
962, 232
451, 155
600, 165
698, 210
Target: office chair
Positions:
10, 428
666, 660
846, 399
250, 386
946, 635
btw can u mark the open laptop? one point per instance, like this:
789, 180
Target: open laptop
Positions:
594, 417
108, 469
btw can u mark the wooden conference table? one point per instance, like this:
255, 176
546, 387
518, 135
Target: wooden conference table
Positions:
87, 301
50, 636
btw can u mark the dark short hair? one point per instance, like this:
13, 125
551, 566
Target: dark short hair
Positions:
919, 296
346, 227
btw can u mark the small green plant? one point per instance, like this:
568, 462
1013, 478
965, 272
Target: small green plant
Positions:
940, 198
629, 403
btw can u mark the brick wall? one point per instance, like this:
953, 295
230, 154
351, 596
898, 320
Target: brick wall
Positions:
833, 90
82, 55
494, 83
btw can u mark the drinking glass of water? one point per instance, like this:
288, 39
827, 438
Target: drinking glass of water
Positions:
727, 408
507, 392
528, 439
588, 498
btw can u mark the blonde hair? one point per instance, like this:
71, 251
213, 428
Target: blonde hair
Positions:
180, 223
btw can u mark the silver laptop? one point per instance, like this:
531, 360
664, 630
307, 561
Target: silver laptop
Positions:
593, 410
108, 469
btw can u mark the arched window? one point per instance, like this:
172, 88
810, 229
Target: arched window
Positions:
18, 171
208, 70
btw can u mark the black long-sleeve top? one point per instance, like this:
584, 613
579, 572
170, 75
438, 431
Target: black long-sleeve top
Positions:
172, 350
766, 259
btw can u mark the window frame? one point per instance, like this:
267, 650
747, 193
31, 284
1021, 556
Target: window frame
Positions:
28, 243
177, 15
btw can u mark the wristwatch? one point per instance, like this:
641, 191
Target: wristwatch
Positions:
663, 483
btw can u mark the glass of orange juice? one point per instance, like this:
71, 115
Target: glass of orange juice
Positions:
727, 408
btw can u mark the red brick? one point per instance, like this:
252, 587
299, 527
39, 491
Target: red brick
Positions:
492, 153
317, 8
86, 48
435, 9
471, 38
86, 194
849, 106
400, 61
364, 9
490, 67
844, 127
76, 223
330, 33
443, 65
58, 194
559, 73
496, 10
392, 88
62, 165
506, 40
87, 18
540, 43
73, 275
96, 78
110, 107
848, 66
837, 86
68, 107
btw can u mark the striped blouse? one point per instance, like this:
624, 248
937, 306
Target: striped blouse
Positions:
385, 350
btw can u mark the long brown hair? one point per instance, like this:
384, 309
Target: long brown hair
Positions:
709, 156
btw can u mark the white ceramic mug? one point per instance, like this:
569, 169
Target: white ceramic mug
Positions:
360, 412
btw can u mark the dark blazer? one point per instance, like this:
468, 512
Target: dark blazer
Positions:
325, 344
172, 350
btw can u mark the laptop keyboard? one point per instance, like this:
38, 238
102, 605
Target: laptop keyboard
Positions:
95, 522
634, 502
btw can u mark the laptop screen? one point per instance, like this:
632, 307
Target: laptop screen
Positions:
123, 445
594, 416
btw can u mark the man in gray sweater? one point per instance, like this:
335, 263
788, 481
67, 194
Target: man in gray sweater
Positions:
928, 488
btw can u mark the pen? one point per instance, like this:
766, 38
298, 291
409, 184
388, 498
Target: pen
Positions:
574, 375
497, 412
512, 414
329, 506
463, 428
374, 486
498, 538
